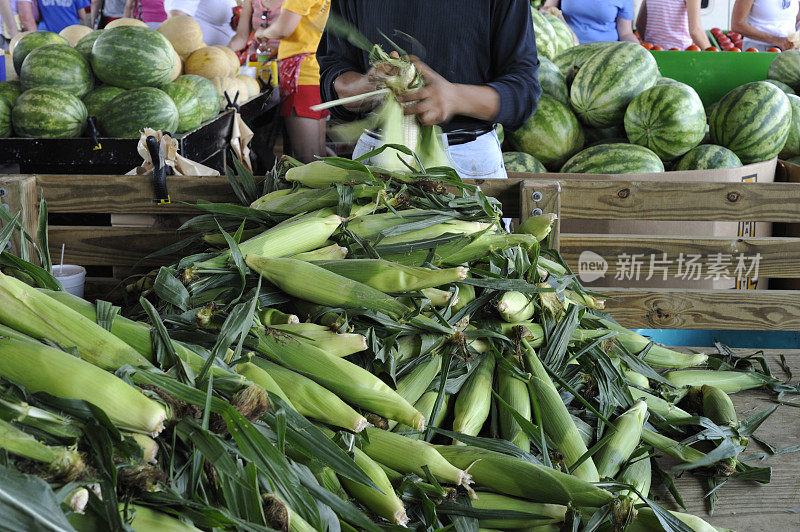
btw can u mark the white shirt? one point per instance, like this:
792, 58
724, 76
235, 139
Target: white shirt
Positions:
214, 17
777, 17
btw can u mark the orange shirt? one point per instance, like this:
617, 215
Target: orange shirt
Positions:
306, 37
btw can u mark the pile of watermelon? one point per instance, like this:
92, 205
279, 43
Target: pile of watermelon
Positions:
127, 77
605, 109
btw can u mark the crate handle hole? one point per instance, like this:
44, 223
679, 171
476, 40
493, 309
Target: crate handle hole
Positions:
536, 212
537, 196
3, 192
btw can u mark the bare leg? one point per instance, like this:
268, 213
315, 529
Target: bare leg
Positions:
305, 136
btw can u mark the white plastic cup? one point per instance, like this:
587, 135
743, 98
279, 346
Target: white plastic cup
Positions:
72, 278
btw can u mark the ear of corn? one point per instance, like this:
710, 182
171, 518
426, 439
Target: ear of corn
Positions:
47, 422
338, 344
332, 252
638, 474
385, 502
391, 277
515, 307
273, 316
538, 226
466, 250
409, 456
352, 383
289, 201
657, 355
33, 313
148, 446
727, 381
145, 519
62, 463
317, 285
512, 476
621, 442
438, 298
466, 294
282, 517
584, 299
369, 226
319, 174
453, 227
312, 400
425, 405
659, 406
514, 392
408, 347
671, 447
261, 378
635, 377
474, 400
646, 521
412, 386
556, 420
540, 513
40, 368
718, 407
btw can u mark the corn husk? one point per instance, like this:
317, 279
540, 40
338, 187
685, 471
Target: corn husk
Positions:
385, 502
515, 307
637, 473
718, 407
538, 226
466, 294
337, 344
332, 252
148, 446
658, 356
425, 405
319, 174
261, 378
646, 521
541, 513
659, 406
474, 400
273, 316
671, 447
293, 202
621, 442
727, 381
514, 392
390, 277
635, 377
62, 463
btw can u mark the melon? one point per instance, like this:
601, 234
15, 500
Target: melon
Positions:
130, 112
233, 59
10, 91
85, 44
517, 161
252, 85
614, 159
5, 119
126, 22
209, 62
190, 114
552, 134
184, 33
57, 66
14, 40
131, 57
225, 86
206, 94
74, 33
49, 113
97, 100
32, 41
178, 69
708, 157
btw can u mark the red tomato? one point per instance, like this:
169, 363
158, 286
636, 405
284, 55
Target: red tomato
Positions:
734, 35
715, 31
734, 49
775, 50
693, 48
647, 45
751, 50
711, 49
656, 48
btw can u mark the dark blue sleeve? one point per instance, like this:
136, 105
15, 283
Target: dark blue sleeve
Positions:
335, 57
513, 50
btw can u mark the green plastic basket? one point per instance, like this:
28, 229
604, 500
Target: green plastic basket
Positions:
714, 74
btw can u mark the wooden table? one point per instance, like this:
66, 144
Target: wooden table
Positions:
748, 506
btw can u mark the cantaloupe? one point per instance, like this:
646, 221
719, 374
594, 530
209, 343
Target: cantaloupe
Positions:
13, 42
11, 74
178, 66
208, 62
232, 58
184, 33
74, 33
229, 86
253, 88
125, 22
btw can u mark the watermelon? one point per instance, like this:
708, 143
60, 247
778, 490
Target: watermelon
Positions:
5, 118
500, 132
606, 135
127, 114
85, 43
545, 35
786, 68
49, 113
668, 81
752, 121
131, 57
552, 81
609, 80
791, 147
10, 91
34, 40
794, 160
781, 85
668, 119
571, 60
563, 35
206, 94
708, 157
96, 100
552, 134
57, 66
190, 115
614, 159
517, 161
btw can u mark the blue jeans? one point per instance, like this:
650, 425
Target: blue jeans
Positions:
480, 159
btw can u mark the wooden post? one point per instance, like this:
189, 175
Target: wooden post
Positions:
538, 196
18, 195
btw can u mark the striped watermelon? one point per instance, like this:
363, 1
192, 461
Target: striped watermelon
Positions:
500, 131
668, 119
132, 56
85, 43
545, 35
614, 159
708, 157
57, 66
562, 33
609, 80
206, 94
668, 81
752, 121
10, 91
791, 147
127, 114
552, 81
190, 115
552, 134
786, 68
96, 100
517, 161
49, 113
32, 41
781, 85
5, 118
571, 60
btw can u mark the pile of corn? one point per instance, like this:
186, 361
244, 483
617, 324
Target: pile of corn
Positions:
355, 349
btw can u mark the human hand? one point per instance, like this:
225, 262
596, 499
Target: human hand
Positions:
238, 42
784, 44
434, 103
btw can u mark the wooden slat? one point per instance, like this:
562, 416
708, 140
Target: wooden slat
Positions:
673, 308
18, 195
109, 246
538, 197
505, 190
129, 194
669, 200
780, 257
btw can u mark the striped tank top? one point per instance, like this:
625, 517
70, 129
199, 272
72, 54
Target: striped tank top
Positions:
668, 24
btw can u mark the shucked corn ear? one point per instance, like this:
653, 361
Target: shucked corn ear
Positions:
622, 442
339, 344
474, 400
391, 277
540, 513
520, 478
349, 381
40, 368
319, 174
409, 456
556, 420
312, 400
515, 306
33, 313
727, 381
62, 463
514, 392
311, 283
289, 201
385, 502
657, 355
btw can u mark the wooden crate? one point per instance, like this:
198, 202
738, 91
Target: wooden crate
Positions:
18, 194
